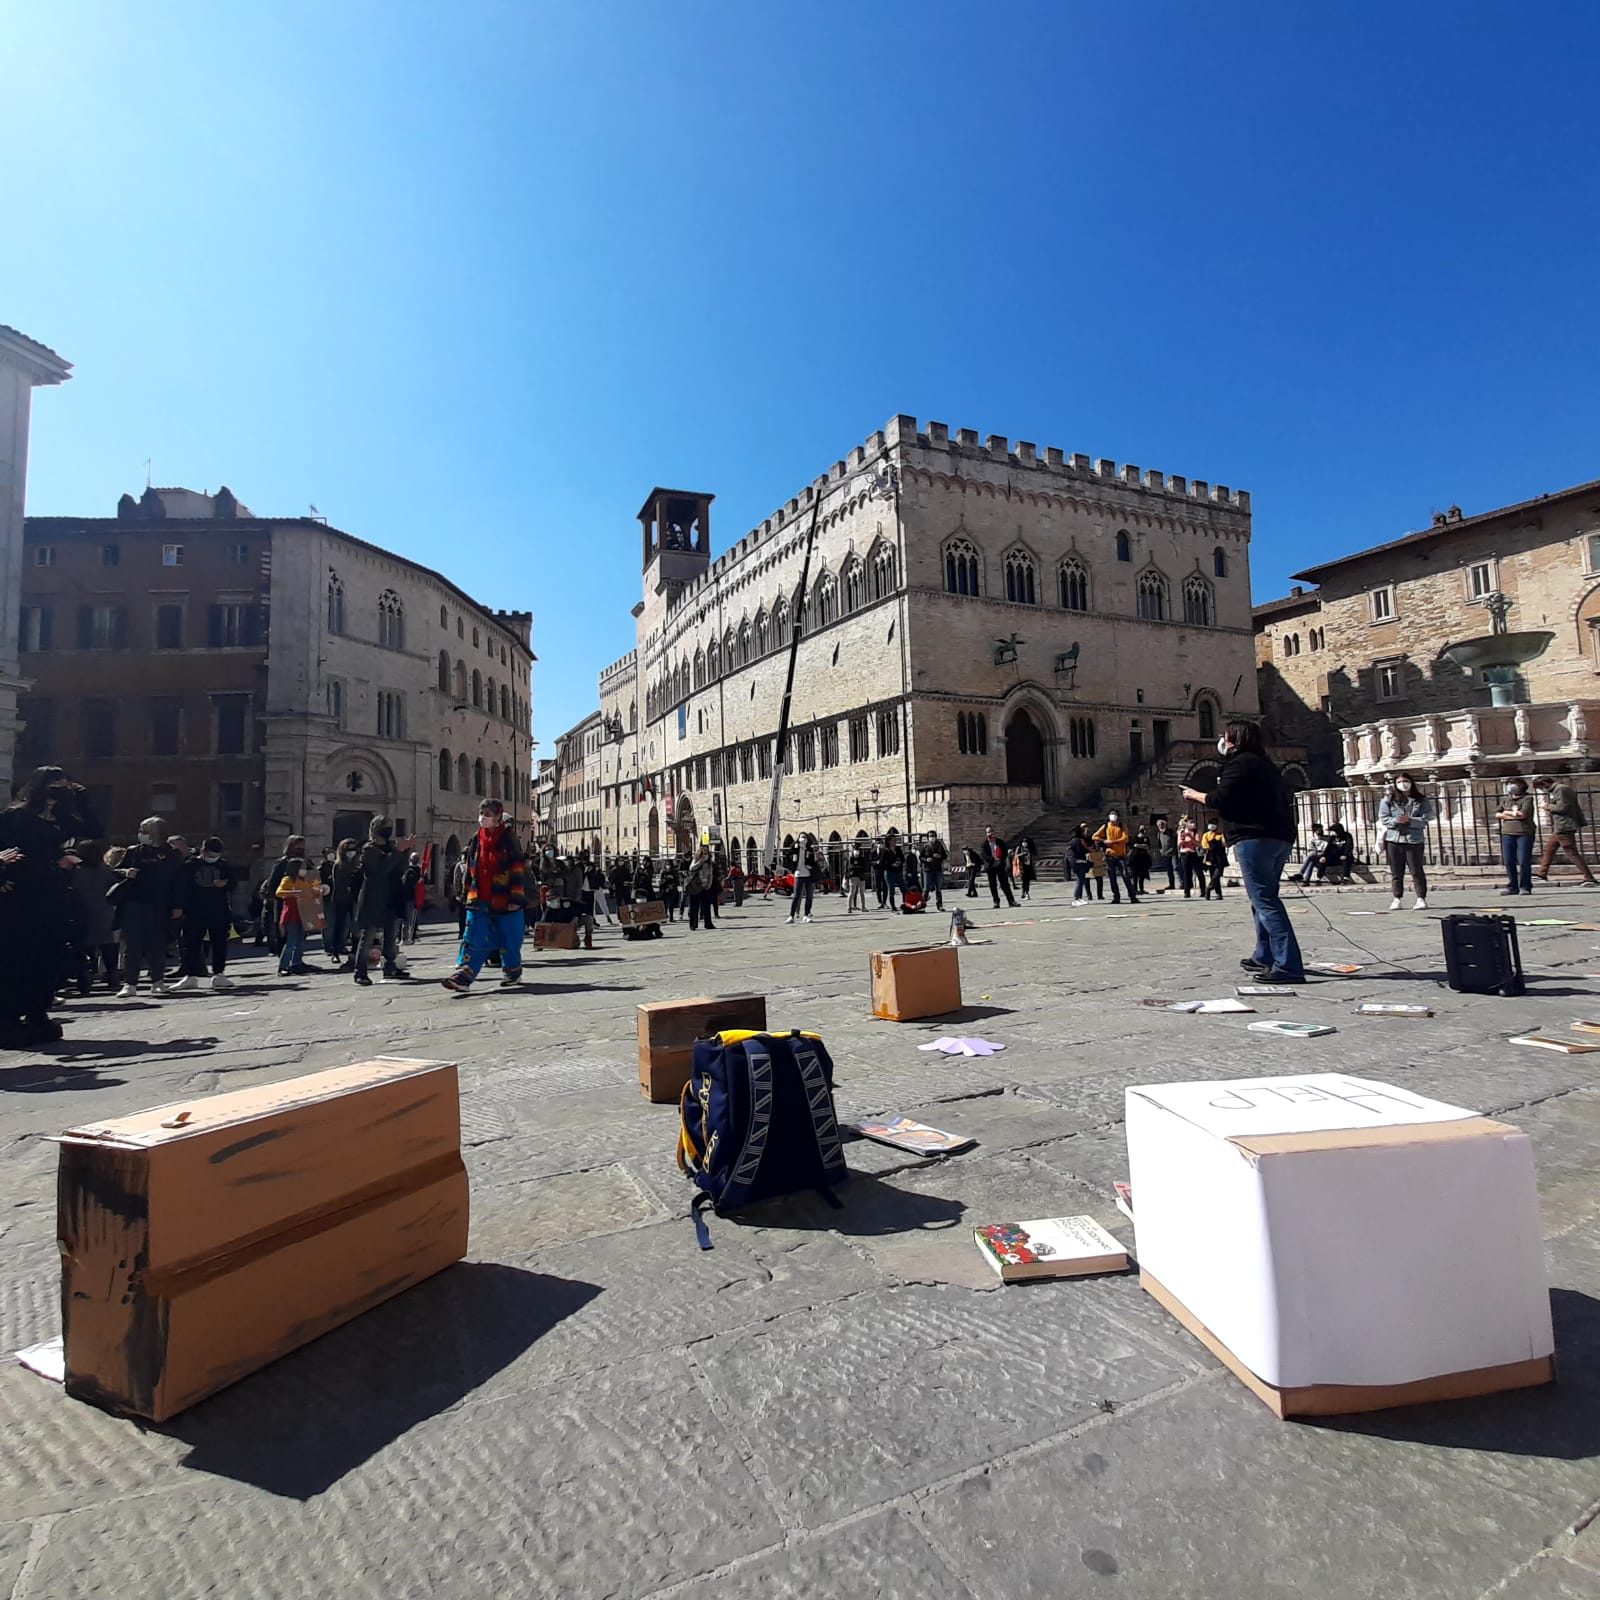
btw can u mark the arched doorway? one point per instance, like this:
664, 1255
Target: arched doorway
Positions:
452, 854
687, 839
653, 832
1024, 749
1206, 716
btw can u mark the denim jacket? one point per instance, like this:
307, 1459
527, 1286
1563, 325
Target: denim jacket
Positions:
1398, 831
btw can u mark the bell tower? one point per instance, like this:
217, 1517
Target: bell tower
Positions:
676, 524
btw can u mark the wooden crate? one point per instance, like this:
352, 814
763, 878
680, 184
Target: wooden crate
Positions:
669, 1028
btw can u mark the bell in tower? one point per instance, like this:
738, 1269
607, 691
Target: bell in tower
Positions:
677, 547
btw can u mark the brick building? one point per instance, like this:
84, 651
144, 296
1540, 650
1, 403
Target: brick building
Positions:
254, 676
991, 632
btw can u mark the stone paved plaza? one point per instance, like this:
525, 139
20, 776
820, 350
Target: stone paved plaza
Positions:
829, 1404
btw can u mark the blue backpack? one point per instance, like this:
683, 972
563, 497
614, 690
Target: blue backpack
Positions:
758, 1120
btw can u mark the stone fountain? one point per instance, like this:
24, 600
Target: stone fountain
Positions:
1499, 652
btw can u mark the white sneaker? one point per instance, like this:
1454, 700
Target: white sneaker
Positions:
808, 919
187, 982
127, 992
221, 982
160, 988
1394, 905
1421, 905
789, 920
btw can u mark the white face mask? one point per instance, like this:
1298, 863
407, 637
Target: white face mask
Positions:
147, 838
1223, 747
211, 858
1111, 816
1404, 786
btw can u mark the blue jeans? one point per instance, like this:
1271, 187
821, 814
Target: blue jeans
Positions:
294, 947
933, 884
1080, 873
1117, 872
1516, 855
1260, 863
803, 890
488, 931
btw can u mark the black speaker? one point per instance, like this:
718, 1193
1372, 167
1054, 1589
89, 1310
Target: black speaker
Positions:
1481, 955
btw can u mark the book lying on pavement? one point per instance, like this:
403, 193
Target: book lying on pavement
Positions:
1568, 1047
1582, 1025
1275, 989
1209, 1007
917, 1137
1293, 1030
1378, 1008
1343, 968
1124, 1192
1054, 1247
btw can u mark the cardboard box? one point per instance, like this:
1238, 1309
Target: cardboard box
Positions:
1340, 1244
641, 913
555, 936
924, 982
669, 1028
203, 1239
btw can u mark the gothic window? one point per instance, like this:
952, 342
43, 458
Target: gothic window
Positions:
505, 703
335, 603
461, 683
463, 775
494, 780
852, 587
1197, 601
884, 572
446, 769
1152, 596
808, 750
961, 567
1080, 736
699, 669
444, 621
633, 712
1219, 563
761, 632
1074, 578
391, 621
475, 640
830, 744
1020, 579
477, 688
972, 733
780, 622
714, 662
1124, 546
1208, 719
489, 696
827, 601
477, 777
860, 747
889, 731
744, 643
444, 672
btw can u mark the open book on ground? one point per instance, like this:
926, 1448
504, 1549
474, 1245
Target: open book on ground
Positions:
1053, 1247
1568, 1047
917, 1137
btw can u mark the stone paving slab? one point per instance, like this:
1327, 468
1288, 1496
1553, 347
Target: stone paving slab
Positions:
828, 1402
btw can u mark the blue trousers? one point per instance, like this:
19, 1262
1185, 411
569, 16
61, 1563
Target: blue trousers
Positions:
488, 931
1516, 855
1261, 863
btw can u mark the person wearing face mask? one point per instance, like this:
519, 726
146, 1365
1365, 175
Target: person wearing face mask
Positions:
269, 929
36, 830
1566, 818
150, 899
1515, 817
997, 867
1114, 837
1257, 816
343, 887
207, 882
382, 861
496, 902
1403, 817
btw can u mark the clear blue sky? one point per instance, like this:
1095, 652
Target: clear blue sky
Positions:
474, 277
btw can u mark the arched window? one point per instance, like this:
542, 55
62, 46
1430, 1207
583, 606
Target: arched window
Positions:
826, 599
489, 696
461, 683
444, 672
761, 631
477, 688
699, 669
885, 574
446, 769
780, 622
1208, 719
391, 621
729, 654
494, 781
972, 733
852, 587
444, 617
336, 701
477, 777
1019, 579
1219, 563
744, 643
475, 640
1080, 737
633, 713
505, 703
461, 628
961, 567
463, 775
1074, 578
335, 603
1124, 545
1197, 601
1152, 596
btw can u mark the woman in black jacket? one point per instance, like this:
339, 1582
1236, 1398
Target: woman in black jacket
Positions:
1258, 820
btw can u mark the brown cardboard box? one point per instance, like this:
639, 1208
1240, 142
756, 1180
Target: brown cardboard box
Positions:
916, 983
204, 1239
642, 912
669, 1028
555, 936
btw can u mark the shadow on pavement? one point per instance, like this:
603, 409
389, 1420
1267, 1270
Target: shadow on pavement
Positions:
297, 1427
1560, 1421
41, 1077
868, 1208
122, 1049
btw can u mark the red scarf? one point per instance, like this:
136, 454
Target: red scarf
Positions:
488, 863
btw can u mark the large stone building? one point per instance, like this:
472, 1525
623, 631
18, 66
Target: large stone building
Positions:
254, 676
991, 633
1360, 670
25, 365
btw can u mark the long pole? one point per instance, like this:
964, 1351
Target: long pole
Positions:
781, 757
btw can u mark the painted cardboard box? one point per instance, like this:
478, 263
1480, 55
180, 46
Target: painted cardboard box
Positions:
924, 982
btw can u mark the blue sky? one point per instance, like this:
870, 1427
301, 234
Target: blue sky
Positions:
472, 278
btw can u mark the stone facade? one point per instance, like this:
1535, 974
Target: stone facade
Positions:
24, 366
991, 632
254, 677
1362, 653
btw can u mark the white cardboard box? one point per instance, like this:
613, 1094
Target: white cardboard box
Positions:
1330, 1231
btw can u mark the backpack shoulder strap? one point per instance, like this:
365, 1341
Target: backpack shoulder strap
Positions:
819, 1098
758, 1067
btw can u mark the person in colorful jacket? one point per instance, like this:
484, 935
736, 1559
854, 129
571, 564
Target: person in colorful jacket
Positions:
496, 901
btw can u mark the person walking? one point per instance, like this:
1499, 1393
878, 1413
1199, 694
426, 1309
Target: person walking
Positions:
974, 868
934, 857
148, 900
621, 883
860, 870
497, 902
1114, 837
1213, 859
894, 871
1078, 863
880, 874
1139, 860
805, 876
701, 887
736, 883
268, 927
1403, 817
1516, 837
344, 885
1189, 868
1022, 858
300, 895
207, 883
996, 867
668, 889
1164, 848
377, 905
412, 890
1257, 816
1566, 818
